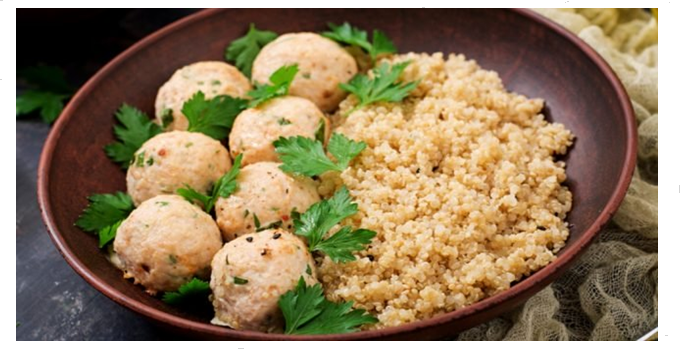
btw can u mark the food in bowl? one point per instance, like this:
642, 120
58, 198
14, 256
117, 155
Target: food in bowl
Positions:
251, 272
460, 182
211, 78
430, 188
322, 62
173, 159
166, 242
266, 197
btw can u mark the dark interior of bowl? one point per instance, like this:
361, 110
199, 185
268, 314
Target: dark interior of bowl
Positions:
531, 59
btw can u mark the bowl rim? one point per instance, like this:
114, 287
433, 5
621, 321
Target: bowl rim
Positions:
539, 278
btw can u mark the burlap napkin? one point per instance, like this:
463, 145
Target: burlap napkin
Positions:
611, 291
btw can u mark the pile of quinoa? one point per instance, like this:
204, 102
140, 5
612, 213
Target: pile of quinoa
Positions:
460, 183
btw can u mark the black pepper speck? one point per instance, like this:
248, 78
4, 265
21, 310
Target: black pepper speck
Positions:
249, 239
276, 236
370, 257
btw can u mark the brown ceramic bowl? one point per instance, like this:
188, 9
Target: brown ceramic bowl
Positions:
534, 57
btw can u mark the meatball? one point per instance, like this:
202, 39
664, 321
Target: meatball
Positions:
212, 78
249, 275
266, 196
255, 129
323, 65
165, 242
170, 160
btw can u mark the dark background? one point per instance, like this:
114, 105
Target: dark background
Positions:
53, 302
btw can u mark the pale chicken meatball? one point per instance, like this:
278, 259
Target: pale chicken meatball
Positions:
266, 196
322, 64
249, 275
165, 242
255, 129
211, 78
171, 160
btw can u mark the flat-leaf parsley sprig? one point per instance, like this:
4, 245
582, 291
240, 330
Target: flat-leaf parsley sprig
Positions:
306, 156
279, 85
104, 215
47, 93
213, 117
383, 87
133, 130
196, 289
318, 220
306, 311
349, 35
224, 187
243, 50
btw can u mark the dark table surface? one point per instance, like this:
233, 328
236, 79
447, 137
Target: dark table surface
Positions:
53, 302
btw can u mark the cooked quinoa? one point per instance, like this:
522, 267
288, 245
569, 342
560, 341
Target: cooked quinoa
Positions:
461, 185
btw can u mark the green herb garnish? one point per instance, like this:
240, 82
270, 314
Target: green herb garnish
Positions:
279, 85
107, 234
49, 89
283, 121
166, 117
192, 290
307, 311
243, 50
133, 130
302, 155
104, 214
256, 221
349, 35
224, 187
240, 281
213, 117
140, 159
320, 133
273, 225
341, 245
318, 220
383, 87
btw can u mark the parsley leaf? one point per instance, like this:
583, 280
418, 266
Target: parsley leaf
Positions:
107, 234
381, 44
303, 156
49, 89
383, 87
50, 104
301, 305
224, 187
135, 128
105, 210
339, 246
104, 215
191, 290
306, 311
347, 34
213, 117
280, 84
243, 50
306, 156
191, 195
344, 149
318, 220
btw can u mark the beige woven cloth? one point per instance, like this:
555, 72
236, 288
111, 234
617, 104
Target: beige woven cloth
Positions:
611, 293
